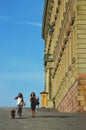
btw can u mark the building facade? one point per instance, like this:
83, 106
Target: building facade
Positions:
64, 33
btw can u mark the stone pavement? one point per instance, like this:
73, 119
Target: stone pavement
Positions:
46, 119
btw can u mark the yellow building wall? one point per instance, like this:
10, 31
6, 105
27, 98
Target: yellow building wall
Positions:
81, 53
64, 32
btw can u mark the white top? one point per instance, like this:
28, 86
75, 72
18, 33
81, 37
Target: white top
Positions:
19, 100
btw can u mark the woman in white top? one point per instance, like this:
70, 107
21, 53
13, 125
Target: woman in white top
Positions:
19, 104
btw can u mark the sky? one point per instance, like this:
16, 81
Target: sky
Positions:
21, 50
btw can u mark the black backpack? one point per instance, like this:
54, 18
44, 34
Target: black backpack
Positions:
37, 101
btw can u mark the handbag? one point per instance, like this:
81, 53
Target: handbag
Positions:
22, 103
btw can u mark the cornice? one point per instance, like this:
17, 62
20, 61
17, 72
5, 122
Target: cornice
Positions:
44, 18
46, 26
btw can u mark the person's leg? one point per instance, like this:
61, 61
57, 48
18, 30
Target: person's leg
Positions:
33, 107
33, 113
20, 111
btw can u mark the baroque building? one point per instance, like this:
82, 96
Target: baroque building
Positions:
64, 33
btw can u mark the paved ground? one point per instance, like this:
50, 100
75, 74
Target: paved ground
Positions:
46, 119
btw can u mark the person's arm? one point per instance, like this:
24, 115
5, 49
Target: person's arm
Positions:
30, 100
16, 97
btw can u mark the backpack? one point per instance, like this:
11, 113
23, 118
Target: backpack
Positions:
37, 101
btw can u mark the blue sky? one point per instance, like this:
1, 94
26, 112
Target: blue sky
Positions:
21, 50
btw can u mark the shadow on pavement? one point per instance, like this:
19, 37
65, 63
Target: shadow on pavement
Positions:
55, 116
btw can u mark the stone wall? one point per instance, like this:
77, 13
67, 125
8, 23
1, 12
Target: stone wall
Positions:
82, 92
69, 102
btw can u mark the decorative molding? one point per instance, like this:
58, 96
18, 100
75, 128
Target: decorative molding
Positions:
72, 21
48, 57
65, 40
50, 29
73, 60
68, 32
59, 2
69, 68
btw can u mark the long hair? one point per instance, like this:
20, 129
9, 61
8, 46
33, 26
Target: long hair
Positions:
33, 94
20, 95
